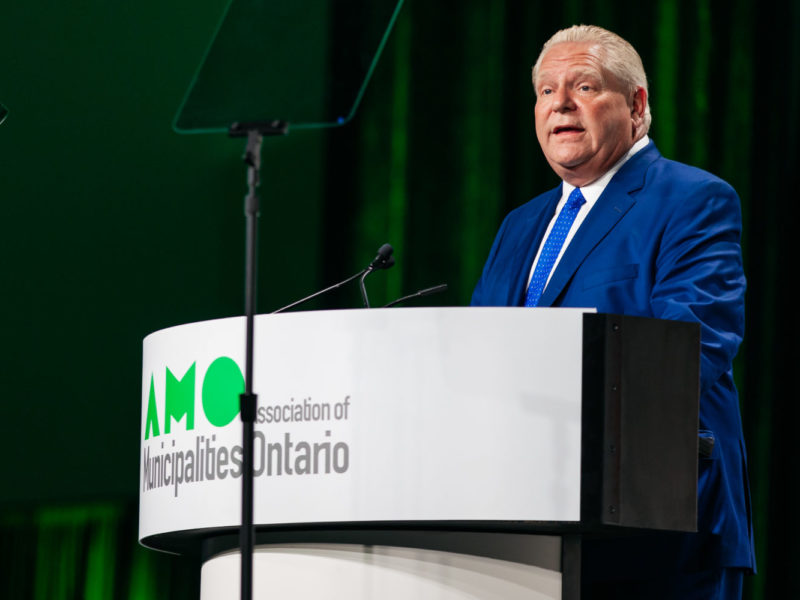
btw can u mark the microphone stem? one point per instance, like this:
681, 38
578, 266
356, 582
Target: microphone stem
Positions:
426, 292
319, 293
367, 271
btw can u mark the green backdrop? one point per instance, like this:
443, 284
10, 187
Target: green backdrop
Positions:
113, 226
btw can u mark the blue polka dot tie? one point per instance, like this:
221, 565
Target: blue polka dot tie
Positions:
552, 246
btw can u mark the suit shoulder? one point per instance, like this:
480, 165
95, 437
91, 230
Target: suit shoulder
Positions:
677, 174
683, 194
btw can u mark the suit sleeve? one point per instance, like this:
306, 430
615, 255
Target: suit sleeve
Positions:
481, 295
699, 275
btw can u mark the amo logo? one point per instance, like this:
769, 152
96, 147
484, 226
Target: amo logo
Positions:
222, 383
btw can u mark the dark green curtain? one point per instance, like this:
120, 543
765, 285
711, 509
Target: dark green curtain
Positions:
87, 551
442, 148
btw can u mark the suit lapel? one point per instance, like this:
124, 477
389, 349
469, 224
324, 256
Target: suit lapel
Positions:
616, 200
528, 243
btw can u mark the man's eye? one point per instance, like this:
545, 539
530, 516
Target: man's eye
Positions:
585, 88
546, 91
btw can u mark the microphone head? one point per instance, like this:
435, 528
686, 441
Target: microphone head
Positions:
382, 264
388, 263
384, 259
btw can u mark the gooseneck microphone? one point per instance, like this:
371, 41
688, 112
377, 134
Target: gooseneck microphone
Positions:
383, 260
426, 292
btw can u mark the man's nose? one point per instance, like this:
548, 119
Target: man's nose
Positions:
562, 100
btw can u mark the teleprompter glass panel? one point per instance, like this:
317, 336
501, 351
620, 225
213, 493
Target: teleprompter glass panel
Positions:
306, 62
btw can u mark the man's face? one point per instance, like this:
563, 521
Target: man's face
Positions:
585, 120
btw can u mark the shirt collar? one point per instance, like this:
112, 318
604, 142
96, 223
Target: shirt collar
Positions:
591, 192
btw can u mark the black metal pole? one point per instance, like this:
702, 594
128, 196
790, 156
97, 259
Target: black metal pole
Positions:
255, 132
248, 400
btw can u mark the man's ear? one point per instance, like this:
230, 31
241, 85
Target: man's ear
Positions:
639, 101
638, 105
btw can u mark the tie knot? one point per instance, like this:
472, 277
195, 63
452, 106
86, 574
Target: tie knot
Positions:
575, 199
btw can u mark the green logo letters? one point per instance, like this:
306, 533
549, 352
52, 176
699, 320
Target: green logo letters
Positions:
222, 384
221, 388
180, 399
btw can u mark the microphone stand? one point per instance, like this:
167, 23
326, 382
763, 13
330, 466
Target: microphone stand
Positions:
363, 288
249, 400
319, 293
383, 260
426, 292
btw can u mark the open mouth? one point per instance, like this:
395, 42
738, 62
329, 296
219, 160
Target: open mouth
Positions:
567, 129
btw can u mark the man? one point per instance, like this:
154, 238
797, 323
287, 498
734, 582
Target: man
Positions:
631, 232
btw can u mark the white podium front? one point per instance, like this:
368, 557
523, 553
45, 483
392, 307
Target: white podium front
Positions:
395, 435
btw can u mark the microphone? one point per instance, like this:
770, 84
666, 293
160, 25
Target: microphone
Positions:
426, 292
383, 260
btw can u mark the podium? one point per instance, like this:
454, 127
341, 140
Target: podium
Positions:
425, 453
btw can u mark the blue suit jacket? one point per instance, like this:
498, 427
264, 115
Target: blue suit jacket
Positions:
662, 241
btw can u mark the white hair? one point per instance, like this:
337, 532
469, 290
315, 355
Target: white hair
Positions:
619, 57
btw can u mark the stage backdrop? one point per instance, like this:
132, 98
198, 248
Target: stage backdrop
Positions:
114, 226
